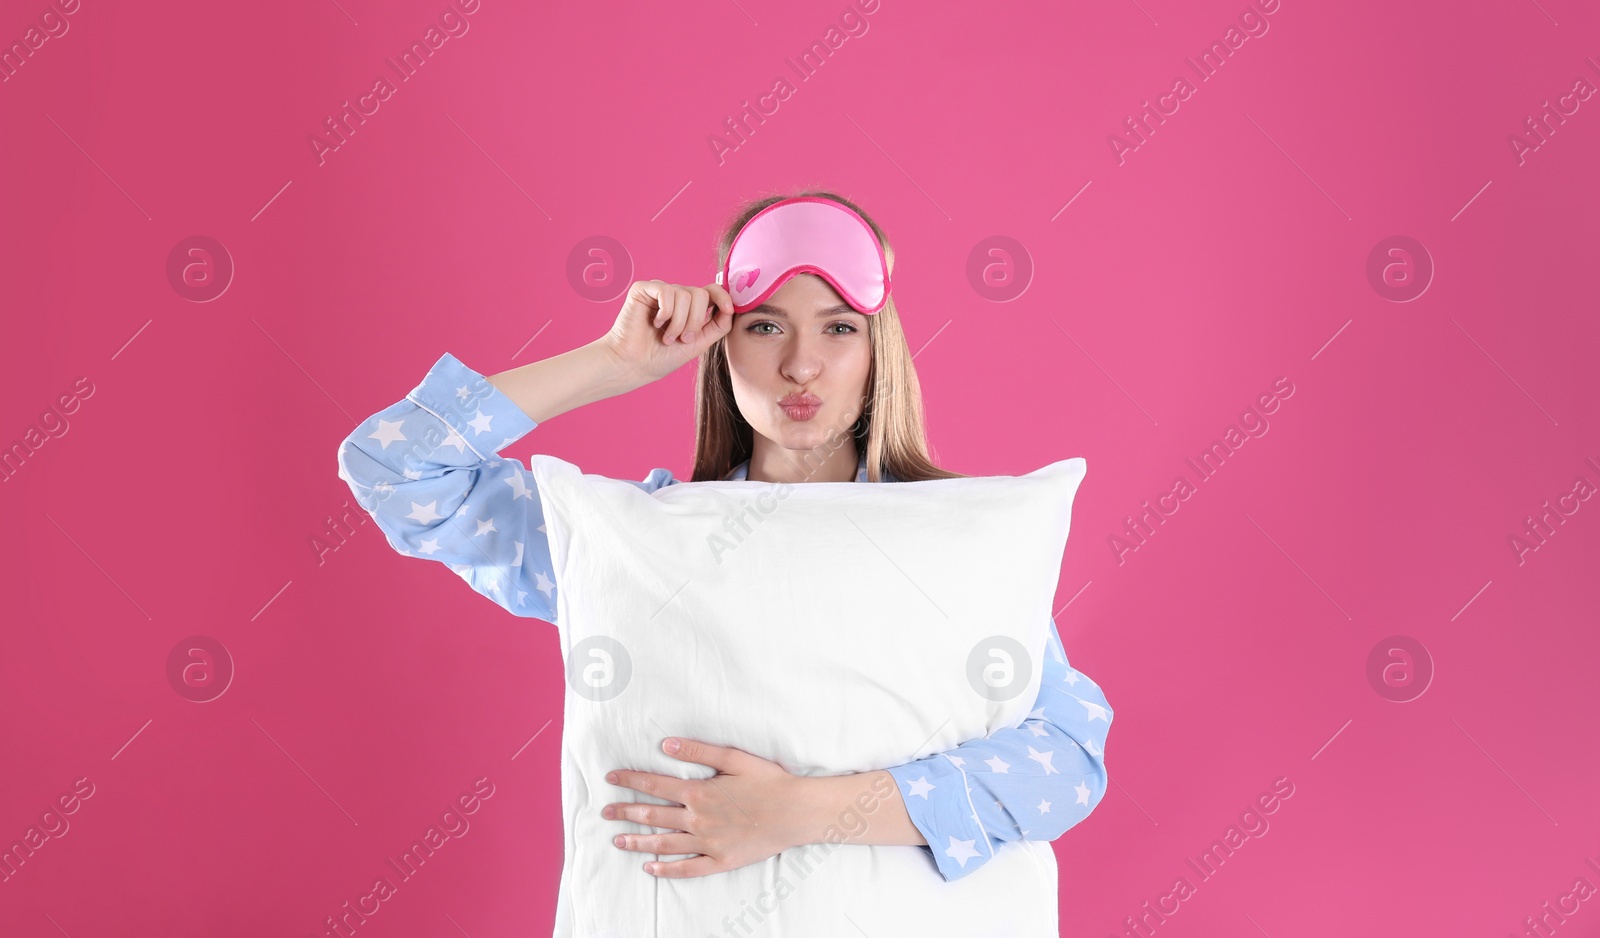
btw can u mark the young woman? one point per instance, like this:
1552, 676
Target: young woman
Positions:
807, 378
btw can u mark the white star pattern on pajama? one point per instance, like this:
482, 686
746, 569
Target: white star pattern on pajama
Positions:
1034, 781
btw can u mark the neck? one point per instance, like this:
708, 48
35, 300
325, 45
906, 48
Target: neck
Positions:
772, 463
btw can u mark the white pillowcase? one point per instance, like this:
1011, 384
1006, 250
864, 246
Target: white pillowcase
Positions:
832, 627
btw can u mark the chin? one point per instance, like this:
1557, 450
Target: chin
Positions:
807, 436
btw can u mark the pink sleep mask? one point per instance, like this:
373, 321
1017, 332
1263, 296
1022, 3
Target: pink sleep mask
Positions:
806, 235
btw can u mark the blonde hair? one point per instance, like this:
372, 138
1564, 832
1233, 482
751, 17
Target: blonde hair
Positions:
890, 429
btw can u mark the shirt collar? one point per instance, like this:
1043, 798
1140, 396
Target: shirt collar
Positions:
738, 473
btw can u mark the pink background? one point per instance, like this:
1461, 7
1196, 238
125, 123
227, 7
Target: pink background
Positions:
1168, 291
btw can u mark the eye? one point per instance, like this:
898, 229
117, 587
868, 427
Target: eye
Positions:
755, 327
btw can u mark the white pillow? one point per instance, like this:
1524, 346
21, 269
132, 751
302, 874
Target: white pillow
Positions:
834, 627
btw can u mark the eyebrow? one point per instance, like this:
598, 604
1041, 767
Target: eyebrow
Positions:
771, 310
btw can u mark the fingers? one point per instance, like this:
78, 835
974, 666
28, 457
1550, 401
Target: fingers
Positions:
686, 315
722, 322
724, 759
657, 292
676, 842
659, 786
683, 869
674, 310
670, 817
699, 303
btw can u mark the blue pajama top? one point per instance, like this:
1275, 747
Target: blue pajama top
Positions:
425, 469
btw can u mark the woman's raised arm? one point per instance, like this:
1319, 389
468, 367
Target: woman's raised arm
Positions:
588, 373
425, 468
660, 327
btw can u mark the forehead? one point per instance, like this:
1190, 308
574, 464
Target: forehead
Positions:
805, 294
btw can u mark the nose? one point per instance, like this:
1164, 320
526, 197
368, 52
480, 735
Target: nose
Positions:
801, 360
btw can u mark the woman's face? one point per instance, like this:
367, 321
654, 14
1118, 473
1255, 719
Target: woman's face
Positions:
804, 342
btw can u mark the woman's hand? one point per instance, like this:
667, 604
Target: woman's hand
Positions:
662, 325
750, 810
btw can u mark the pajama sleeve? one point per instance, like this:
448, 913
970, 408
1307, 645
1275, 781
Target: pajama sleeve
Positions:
425, 469
1030, 782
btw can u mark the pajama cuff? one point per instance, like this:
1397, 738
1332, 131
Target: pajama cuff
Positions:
480, 413
939, 801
